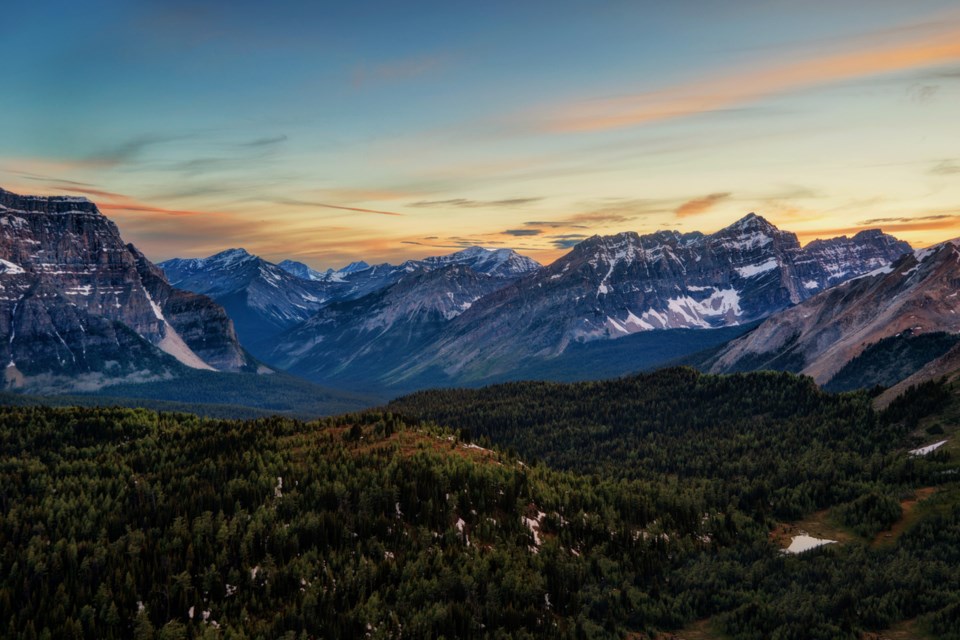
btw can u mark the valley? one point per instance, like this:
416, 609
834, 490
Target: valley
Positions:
479, 320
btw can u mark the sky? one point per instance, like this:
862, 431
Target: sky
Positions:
329, 132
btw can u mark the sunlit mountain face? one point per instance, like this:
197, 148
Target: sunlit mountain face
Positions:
386, 132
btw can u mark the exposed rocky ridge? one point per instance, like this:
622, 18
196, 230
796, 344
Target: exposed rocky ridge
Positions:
359, 278
612, 286
261, 298
76, 301
302, 271
265, 299
916, 294
362, 339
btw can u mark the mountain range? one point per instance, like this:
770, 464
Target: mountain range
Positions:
498, 315
265, 299
875, 323
614, 286
81, 310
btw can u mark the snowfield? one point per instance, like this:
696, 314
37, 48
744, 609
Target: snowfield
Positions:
803, 542
930, 448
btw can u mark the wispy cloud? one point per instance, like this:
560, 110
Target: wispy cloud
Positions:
555, 224
923, 93
344, 195
133, 206
265, 142
907, 219
397, 70
934, 222
473, 204
325, 205
946, 168
699, 205
874, 56
567, 240
128, 150
523, 232
603, 213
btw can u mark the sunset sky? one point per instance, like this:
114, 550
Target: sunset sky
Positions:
331, 132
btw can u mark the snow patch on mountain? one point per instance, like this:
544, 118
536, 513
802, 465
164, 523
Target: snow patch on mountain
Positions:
10, 268
173, 344
756, 269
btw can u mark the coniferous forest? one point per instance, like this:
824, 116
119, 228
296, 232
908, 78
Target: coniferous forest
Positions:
626, 508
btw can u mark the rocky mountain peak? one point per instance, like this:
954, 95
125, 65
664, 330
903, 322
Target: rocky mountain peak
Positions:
46, 204
76, 301
911, 296
752, 221
598, 245
472, 252
230, 257
355, 267
302, 271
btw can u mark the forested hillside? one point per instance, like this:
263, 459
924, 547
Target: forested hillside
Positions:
770, 447
128, 523
772, 442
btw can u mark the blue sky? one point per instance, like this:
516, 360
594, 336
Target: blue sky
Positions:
330, 132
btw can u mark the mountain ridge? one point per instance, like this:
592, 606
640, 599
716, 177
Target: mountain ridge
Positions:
915, 295
612, 286
79, 304
266, 299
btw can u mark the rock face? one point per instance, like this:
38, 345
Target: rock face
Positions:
261, 298
609, 287
265, 299
302, 271
915, 295
76, 302
359, 278
362, 340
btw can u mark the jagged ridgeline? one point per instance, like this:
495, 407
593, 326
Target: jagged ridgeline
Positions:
881, 328
80, 306
642, 293
83, 312
128, 523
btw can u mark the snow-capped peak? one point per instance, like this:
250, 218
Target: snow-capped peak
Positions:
472, 252
922, 254
751, 221
354, 267
230, 256
304, 272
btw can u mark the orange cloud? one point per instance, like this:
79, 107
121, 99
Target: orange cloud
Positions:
738, 88
947, 223
131, 205
699, 205
396, 70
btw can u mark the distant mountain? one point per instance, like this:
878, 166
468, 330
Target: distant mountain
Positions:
359, 278
360, 340
81, 309
613, 286
499, 263
265, 299
261, 298
890, 319
302, 271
